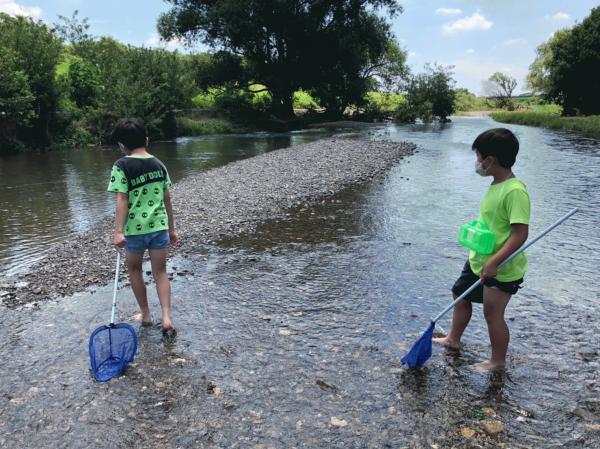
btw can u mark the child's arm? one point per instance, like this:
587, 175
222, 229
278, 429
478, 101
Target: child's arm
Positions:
120, 216
518, 236
169, 207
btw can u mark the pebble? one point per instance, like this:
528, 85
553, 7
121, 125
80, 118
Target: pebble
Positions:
338, 422
225, 200
492, 426
467, 432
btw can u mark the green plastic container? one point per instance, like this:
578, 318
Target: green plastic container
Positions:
477, 236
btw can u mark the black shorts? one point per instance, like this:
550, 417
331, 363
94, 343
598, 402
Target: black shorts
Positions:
468, 278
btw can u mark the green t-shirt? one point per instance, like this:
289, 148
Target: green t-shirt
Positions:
502, 205
145, 181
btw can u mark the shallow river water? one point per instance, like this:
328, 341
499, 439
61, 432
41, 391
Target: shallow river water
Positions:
292, 337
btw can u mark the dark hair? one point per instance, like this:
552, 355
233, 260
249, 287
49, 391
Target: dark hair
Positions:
500, 143
131, 132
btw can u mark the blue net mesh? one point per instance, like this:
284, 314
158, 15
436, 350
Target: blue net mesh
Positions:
421, 350
112, 348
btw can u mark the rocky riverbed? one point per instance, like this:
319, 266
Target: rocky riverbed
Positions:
224, 202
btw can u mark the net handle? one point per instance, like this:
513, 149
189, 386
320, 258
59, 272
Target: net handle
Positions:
114, 301
516, 253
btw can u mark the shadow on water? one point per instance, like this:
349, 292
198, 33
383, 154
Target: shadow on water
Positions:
292, 336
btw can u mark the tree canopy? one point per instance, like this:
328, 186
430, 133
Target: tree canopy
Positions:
566, 67
329, 48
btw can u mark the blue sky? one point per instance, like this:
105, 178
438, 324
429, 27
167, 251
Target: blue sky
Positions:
478, 37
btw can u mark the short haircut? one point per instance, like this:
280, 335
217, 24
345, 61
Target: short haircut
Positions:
500, 143
131, 132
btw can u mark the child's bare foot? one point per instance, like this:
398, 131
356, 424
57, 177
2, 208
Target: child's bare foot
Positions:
145, 319
169, 334
489, 366
447, 342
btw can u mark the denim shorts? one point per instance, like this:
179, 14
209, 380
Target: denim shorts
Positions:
468, 278
140, 243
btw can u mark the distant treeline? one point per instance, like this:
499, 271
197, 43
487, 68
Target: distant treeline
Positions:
62, 87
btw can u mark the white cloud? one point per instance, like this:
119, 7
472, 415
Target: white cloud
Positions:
470, 51
562, 16
154, 40
411, 54
448, 11
12, 8
473, 22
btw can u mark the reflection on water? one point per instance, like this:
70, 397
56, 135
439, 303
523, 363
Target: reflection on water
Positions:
292, 337
46, 198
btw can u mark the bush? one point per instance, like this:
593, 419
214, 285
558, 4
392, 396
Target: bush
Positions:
303, 100
380, 104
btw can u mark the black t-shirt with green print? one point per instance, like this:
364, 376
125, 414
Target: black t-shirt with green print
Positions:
144, 180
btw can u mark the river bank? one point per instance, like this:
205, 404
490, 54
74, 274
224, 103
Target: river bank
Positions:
588, 126
215, 204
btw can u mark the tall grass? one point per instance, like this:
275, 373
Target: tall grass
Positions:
587, 126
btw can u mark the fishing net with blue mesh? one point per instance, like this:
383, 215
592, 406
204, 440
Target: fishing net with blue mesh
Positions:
112, 349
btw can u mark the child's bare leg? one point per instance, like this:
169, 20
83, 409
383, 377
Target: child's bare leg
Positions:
494, 305
136, 277
461, 315
158, 259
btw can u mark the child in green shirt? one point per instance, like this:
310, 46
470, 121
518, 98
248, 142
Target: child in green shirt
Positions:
505, 208
144, 216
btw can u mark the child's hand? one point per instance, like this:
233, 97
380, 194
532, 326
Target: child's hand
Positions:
119, 239
173, 238
490, 270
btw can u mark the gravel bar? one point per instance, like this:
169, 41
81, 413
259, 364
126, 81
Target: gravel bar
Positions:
223, 202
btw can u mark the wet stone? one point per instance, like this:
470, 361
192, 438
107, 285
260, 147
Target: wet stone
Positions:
237, 197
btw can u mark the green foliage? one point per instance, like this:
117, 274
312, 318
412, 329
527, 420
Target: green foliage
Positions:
120, 81
566, 67
36, 51
303, 100
382, 104
258, 102
429, 94
587, 126
15, 99
575, 67
205, 100
329, 48
466, 101
15, 95
84, 82
539, 70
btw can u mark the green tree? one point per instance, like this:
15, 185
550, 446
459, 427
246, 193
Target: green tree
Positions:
500, 87
539, 70
73, 29
429, 94
37, 52
289, 44
15, 99
359, 57
572, 79
152, 84
84, 83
